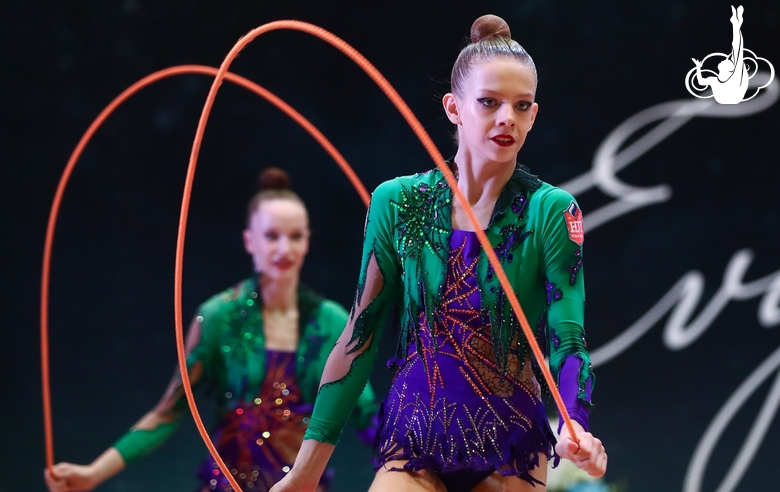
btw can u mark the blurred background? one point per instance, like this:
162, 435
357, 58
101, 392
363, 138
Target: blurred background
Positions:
682, 262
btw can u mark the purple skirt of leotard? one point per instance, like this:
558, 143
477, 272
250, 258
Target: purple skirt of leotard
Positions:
449, 408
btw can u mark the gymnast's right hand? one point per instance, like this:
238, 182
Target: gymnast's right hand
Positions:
293, 483
67, 477
308, 468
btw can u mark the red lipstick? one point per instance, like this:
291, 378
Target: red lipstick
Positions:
283, 264
503, 140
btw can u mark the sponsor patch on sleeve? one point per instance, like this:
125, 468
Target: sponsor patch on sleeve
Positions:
573, 216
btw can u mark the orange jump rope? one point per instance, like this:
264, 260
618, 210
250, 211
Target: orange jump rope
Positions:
221, 75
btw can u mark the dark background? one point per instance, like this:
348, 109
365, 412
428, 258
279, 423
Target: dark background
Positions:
112, 337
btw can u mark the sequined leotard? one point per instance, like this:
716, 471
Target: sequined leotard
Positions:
465, 396
264, 397
449, 401
261, 438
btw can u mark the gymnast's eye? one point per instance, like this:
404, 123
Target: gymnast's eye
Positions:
296, 236
487, 101
271, 235
523, 105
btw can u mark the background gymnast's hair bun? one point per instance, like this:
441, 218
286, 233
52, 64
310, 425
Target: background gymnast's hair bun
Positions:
273, 178
489, 26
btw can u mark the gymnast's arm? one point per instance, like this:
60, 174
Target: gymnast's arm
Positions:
569, 358
351, 360
151, 431
562, 260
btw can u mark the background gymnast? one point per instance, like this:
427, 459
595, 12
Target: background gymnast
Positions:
263, 344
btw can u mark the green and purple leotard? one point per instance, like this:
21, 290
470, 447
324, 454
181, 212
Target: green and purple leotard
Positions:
467, 392
264, 397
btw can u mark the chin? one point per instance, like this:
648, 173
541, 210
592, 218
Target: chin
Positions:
287, 272
504, 156
281, 274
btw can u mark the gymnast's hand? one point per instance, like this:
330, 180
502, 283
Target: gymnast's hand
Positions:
291, 483
589, 455
67, 477
308, 468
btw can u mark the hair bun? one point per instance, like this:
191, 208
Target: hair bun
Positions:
489, 26
273, 178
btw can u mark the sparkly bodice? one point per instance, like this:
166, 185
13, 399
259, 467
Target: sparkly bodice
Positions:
449, 406
461, 335
535, 230
260, 439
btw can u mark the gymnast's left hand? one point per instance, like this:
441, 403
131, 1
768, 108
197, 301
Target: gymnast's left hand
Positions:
589, 454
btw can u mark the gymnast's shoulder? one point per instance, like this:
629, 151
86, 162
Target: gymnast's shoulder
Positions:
223, 303
410, 187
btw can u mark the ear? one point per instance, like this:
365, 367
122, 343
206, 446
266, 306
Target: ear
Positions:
534, 110
248, 241
450, 104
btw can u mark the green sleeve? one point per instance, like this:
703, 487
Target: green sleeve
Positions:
334, 318
352, 358
562, 255
139, 442
366, 408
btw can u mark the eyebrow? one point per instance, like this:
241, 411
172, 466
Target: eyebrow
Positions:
528, 95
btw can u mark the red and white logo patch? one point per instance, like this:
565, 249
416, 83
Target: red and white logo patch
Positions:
573, 216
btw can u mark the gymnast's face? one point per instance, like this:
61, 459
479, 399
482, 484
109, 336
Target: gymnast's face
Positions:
496, 110
278, 238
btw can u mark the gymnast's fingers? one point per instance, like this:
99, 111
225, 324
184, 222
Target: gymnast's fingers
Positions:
602, 464
594, 462
590, 455
54, 483
566, 448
